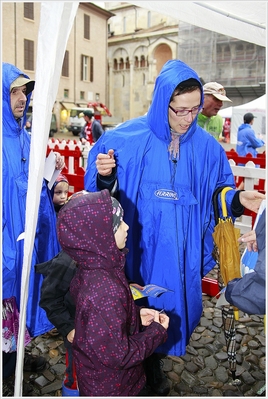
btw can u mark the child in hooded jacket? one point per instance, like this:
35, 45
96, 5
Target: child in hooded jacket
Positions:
113, 336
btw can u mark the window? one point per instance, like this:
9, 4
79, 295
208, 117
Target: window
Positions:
65, 65
82, 95
115, 64
121, 63
29, 10
127, 63
87, 68
84, 67
86, 26
66, 93
28, 55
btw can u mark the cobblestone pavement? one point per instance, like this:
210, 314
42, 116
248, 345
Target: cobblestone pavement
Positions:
202, 371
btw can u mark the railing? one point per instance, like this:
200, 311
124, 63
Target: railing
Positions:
252, 175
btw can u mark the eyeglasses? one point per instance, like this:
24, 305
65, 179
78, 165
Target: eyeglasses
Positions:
184, 112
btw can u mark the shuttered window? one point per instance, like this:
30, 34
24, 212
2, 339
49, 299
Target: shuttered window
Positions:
28, 55
29, 10
86, 26
65, 65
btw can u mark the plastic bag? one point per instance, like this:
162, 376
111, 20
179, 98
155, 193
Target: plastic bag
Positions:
10, 326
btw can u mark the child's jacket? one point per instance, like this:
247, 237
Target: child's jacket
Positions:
109, 346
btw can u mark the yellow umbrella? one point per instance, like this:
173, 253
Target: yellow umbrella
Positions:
227, 255
226, 240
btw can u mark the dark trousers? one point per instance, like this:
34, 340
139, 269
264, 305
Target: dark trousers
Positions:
9, 364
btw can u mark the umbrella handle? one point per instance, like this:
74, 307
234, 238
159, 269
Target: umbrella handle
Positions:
215, 203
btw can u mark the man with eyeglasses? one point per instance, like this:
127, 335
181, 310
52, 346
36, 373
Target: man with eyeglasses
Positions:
208, 119
164, 169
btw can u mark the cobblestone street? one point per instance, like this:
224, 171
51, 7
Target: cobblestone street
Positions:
203, 371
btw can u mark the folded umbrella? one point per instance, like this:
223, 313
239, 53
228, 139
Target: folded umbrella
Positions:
227, 255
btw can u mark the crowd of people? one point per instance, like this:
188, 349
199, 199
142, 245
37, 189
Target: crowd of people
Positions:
145, 216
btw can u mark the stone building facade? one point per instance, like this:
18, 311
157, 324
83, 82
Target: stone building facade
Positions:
141, 41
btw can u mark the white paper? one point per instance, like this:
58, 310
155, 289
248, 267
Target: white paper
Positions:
50, 173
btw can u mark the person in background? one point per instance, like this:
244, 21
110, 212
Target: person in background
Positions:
247, 142
113, 335
163, 168
208, 118
92, 130
16, 95
60, 309
248, 293
59, 192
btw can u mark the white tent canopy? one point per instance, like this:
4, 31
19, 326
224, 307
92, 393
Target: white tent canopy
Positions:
244, 20
257, 107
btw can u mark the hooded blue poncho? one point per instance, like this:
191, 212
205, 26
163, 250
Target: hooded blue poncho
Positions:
15, 147
168, 205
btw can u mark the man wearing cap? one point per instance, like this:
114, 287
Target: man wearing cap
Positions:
247, 142
208, 119
92, 130
16, 95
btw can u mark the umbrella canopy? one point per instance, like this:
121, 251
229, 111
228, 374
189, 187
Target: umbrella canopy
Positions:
226, 239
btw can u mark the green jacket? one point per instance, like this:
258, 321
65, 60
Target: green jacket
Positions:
212, 125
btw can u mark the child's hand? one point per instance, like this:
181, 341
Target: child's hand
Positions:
147, 316
70, 336
162, 318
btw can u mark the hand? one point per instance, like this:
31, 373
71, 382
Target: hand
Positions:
250, 239
105, 163
251, 200
147, 316
70, 336
162, 318
83, 141
59, 161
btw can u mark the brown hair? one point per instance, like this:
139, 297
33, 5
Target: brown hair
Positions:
187, 86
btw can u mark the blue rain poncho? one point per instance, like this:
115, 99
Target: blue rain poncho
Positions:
168, 205
15, 169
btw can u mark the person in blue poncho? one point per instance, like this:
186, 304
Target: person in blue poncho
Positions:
164, 169
16, 94
247, 142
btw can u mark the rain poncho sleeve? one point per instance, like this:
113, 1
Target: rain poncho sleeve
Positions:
248, 293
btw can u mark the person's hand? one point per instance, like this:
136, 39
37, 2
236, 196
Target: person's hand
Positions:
162, 318
70, 336
59, 161
250, 239
147, 316
251, 200
83, 140
105, 163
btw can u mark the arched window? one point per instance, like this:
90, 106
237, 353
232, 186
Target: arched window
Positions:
115, 64
136, 62
121, 63
142, 61
127, 63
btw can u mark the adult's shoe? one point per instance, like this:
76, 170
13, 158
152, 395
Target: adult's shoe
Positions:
34, 363
155, 376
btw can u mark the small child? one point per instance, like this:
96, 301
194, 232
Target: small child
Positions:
113, 336
59, 192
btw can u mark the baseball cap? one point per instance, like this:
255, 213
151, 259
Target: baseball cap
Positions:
216, 90
248, 117
88, 113
21, 81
